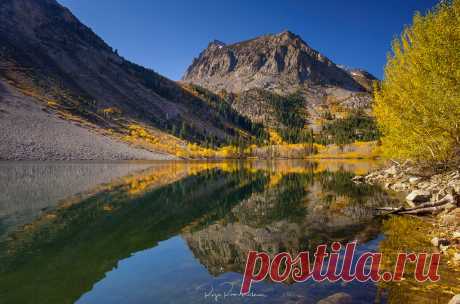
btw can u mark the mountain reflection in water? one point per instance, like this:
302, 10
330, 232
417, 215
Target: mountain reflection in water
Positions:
171, 232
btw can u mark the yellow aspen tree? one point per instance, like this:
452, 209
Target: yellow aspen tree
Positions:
417, 105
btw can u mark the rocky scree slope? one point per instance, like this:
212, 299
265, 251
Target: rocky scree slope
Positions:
47, 53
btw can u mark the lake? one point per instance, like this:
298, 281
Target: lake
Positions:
179, 232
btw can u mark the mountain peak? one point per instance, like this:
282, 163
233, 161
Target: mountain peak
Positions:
280, 62
216, 44
287, 33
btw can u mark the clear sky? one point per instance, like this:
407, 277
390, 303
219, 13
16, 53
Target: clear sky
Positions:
166, 35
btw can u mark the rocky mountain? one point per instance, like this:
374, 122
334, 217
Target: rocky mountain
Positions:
280, 64
47, 54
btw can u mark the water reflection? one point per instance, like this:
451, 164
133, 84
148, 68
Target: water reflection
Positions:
27, 189
169, 233
298, 213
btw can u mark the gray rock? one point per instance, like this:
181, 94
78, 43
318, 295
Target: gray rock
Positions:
435, 241
358, 178
443, 248
439, 241
419, 196
413, 180
391, 171
455, 300
456, 235
337, 298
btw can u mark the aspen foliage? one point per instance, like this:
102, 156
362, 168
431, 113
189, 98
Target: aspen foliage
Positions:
417, 106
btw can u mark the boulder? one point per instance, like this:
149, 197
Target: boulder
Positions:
391, 171
436, 242
337, 298
358, 178
419, 196
413, 180
443, 248
455, 300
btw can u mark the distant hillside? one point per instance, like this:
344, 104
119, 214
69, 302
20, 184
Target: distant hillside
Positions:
47, 54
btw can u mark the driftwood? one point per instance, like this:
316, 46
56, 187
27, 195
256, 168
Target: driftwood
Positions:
425, 208
424, 211
391, 210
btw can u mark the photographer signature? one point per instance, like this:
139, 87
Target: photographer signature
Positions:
226, 290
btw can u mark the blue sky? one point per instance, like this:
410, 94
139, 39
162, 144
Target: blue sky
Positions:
167, 35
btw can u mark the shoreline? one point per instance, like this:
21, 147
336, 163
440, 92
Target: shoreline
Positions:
440, 191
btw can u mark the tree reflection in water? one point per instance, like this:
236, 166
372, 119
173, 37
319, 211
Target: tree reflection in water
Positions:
221, 210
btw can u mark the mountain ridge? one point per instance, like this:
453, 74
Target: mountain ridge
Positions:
47, 53
233, 67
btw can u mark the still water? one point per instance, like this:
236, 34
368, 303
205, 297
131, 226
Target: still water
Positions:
177, 232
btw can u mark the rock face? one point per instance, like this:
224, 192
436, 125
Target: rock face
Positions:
281, 62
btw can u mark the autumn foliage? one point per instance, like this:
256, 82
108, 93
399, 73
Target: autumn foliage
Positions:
417, 105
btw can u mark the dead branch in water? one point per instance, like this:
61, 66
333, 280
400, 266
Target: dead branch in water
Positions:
422, 209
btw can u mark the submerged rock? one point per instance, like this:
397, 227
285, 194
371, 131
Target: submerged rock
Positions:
337, 298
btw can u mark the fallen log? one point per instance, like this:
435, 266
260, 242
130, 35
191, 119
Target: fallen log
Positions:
425, 211
422, 209
393, 211
441, 202
389, 208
